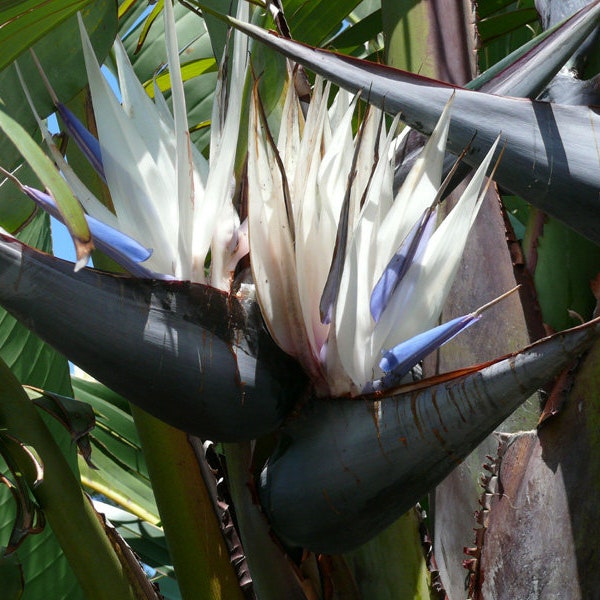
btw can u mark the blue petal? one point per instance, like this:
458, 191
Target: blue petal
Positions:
123, 249
403, 357
108, 238
87, 143
414, 243
398, 361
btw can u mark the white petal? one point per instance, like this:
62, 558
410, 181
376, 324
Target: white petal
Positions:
156, 134
417, 193
138, 188
420, 299
271, 247
184, 163
288, 141
222, 161
354, 322
315, 233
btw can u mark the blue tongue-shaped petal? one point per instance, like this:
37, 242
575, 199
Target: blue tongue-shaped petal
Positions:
400, 359
86, 142
411, 248
403, 357
123, 249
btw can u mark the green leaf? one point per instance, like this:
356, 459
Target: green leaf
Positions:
501, 25
62, 60
358, 34
24, 23
518, 213
315, 22
216, 30
188, 71
195, 43
11, 576
25, 471
564, 266
122, 475
149, 543
503, 30
42, 561
76, 526
386, 563
76, 417
485, 8
196, 542
53, 181
61, 57
409, 51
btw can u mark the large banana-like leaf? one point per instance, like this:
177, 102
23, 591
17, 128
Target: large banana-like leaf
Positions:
524, 73
60, 54
542, 58
121, 474
193, 356
40, 557
56, 489
346, 469
149, 544
550, 159
24, 23
553, 11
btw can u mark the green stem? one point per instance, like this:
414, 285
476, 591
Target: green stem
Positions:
272, 574
69, 512
200, 556
121, 499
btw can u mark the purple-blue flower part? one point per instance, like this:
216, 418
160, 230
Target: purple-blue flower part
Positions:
87, 143
411, 248
123, 249
403, 357
398, 361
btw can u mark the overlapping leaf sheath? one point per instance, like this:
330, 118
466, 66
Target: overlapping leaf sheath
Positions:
346, 469
193, 356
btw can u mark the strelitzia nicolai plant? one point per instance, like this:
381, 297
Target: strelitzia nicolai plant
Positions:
358, 385
422, 257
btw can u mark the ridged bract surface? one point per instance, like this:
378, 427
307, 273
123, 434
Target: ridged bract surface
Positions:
346, 469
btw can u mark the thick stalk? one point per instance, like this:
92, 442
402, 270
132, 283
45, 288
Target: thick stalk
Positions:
197, 548
272, 573
69, 512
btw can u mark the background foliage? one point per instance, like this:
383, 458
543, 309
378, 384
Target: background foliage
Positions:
523, 245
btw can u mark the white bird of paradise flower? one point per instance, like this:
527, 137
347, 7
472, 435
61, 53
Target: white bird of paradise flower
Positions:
345, 270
